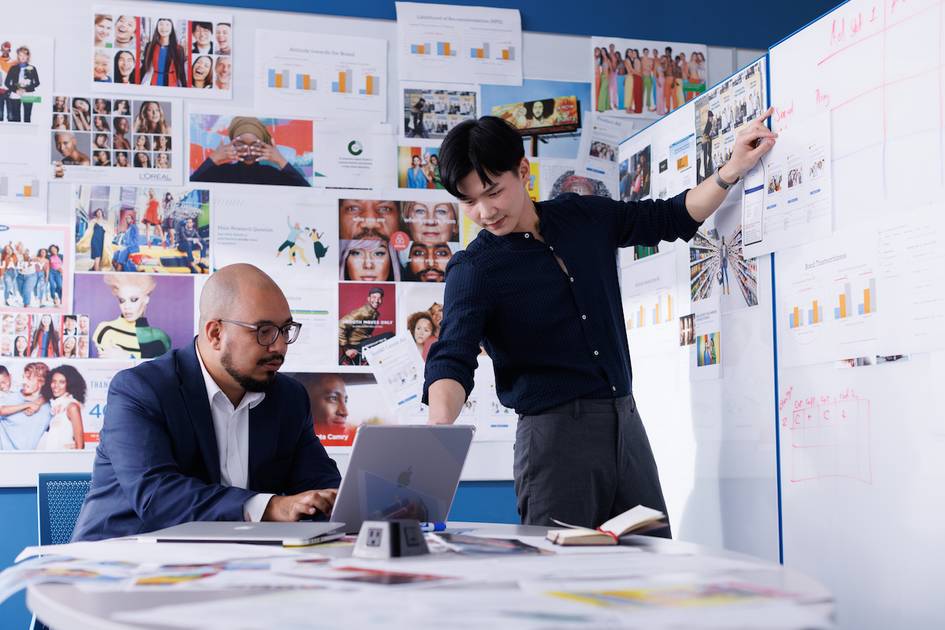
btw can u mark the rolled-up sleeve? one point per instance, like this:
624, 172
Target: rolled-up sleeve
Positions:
649, 222
465, 311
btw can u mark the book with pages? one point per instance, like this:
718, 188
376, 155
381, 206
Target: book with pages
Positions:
634, 521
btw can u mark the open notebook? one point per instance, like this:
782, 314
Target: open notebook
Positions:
634, 521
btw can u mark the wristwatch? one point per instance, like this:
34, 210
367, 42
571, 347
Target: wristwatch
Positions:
724, 185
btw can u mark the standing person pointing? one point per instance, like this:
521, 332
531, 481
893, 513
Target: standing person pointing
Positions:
539, 289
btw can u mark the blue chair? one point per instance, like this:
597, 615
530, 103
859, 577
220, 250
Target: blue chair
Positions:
59, 498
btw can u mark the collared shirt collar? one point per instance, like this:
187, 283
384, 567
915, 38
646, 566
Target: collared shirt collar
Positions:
250, 399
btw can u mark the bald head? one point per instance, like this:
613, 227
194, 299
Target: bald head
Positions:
237, 303
239, 292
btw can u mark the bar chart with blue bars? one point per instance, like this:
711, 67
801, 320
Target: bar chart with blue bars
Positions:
334, 75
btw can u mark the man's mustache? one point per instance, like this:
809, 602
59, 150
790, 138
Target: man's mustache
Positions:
276, 356
429, 270
370, 234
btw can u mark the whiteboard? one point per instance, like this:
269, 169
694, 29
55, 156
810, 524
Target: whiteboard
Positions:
861, 448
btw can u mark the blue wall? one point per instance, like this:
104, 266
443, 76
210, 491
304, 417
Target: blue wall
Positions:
735, 23
489, 501
19, 529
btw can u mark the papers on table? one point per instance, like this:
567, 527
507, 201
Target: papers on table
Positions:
130, 550
625, 586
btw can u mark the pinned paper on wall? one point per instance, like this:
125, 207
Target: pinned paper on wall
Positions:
449, 43
321, 75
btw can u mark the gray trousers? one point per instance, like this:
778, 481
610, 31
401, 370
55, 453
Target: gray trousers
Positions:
584, 462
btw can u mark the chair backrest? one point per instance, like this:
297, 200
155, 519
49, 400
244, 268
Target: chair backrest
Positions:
59, 498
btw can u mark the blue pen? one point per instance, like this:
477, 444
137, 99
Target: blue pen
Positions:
435, 526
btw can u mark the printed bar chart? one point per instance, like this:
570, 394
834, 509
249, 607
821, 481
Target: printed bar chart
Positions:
663, 309
869, 299
480, 53
445, 49
845, 301
21, 188
278, 79
815, 314
304, 82
344, 84
421, 49
795, 318
371, 85
508, 54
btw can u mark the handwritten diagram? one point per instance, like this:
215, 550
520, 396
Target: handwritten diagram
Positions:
826, 435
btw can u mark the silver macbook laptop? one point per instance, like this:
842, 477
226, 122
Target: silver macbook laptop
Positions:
402, 472
268, 533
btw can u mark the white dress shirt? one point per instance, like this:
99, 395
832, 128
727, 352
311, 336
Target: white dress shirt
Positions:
231, 427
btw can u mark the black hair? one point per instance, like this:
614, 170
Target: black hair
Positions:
489, 146
4, 371
75, 383
204, 25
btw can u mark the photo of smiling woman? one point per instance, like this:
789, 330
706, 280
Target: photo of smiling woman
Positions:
124, 70
164, 61
366, 260
202, 73
151, 117
65, 391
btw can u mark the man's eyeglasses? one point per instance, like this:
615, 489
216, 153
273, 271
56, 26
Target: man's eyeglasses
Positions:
266, 334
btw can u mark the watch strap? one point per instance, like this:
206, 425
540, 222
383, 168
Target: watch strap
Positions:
724, 185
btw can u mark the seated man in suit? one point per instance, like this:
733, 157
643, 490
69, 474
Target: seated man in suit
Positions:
211, 432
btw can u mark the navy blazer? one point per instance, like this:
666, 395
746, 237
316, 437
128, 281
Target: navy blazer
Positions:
157, 463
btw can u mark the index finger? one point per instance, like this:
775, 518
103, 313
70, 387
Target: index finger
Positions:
766, 115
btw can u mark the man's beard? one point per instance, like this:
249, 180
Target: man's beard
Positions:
246, 382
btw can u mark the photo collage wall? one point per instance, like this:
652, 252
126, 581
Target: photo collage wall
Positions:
168, 182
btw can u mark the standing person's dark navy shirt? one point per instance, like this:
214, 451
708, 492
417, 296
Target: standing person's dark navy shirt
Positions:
553, 336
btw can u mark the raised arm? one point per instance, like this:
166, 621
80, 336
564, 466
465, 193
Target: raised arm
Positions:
651, 221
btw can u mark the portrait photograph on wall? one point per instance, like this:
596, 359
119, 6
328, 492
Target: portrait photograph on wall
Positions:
229, 149
144, 52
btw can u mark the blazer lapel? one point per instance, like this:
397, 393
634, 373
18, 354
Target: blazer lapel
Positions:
263, 439
194, 394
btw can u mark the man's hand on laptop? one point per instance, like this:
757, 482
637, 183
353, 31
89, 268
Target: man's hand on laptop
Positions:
297, 506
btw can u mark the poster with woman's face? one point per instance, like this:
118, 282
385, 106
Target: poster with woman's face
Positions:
397, 240
142, 229
343, 402
162, 52
136, 315
36, 268
420, 314
118, 140
26, 78
237, 149
55, 404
